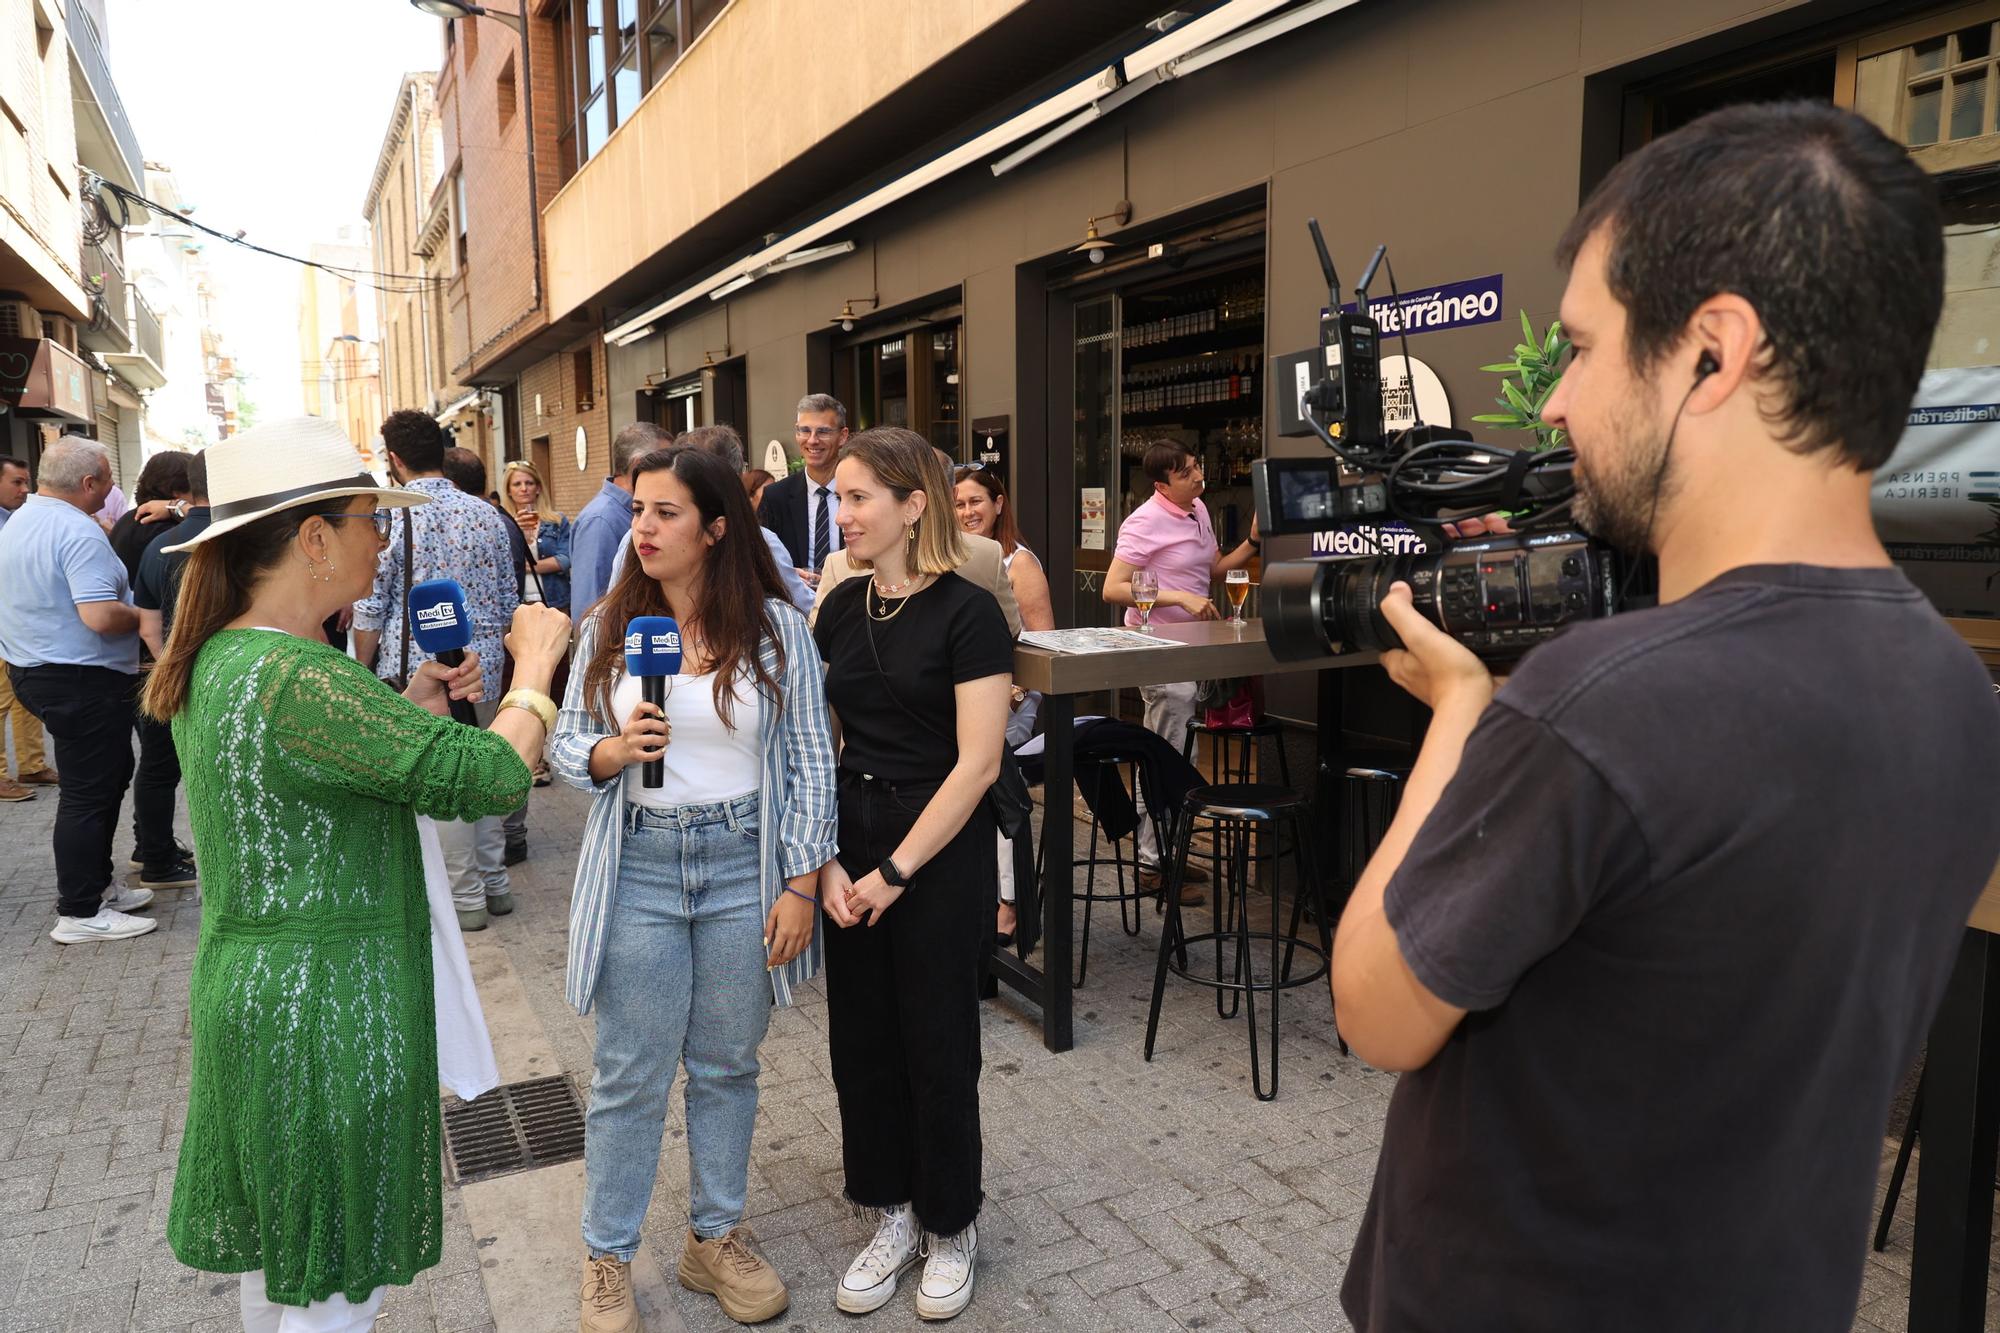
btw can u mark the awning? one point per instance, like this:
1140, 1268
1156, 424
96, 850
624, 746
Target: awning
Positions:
40, 377
453, 409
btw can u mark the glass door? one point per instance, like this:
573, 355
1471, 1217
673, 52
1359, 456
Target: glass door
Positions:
1096, 471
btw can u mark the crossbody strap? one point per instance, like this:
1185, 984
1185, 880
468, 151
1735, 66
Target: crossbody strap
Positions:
868, 626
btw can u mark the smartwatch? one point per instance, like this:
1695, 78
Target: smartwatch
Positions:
892, 874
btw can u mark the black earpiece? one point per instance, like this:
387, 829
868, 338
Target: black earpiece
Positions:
1707, 365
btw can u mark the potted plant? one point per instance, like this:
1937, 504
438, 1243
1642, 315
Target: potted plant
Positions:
1537, 366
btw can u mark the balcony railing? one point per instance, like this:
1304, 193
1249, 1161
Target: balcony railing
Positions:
146, 335
89, 48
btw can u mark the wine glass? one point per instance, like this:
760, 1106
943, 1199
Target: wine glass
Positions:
1237, 584
1145, 591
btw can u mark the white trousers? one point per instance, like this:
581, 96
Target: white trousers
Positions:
475, 851
335, 1314
1169, 708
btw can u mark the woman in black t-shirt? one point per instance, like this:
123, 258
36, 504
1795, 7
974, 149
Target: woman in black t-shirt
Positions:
918, 675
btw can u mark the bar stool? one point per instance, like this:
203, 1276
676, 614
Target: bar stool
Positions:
1121, 768
1229, 752
1243, 809
1369, 796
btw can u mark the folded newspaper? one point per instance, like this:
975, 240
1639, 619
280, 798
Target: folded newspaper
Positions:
1101, 640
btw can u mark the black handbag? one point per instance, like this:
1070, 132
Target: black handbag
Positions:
1007, 798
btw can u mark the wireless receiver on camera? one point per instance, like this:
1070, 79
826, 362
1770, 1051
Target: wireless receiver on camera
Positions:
653, 653
1352, 395
442, 627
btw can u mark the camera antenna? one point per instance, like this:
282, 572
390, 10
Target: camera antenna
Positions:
1368, 277
1326, 267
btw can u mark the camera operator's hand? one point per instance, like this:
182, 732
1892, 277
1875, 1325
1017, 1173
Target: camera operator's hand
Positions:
1491, 525
1433, 666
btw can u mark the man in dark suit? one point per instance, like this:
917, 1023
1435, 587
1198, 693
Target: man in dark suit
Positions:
802, 508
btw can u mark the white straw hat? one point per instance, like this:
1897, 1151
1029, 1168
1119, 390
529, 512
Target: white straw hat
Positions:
279, 464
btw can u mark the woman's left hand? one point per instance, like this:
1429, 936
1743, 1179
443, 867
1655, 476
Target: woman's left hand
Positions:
873, 895
789, 928
435, 685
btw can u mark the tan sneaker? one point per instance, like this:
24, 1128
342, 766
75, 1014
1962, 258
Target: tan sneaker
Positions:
607, 1297
730, 1269
14, 791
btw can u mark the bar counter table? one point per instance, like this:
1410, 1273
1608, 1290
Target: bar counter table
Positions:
1198, 650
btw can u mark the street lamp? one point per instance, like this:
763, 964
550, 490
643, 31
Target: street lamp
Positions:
461, 9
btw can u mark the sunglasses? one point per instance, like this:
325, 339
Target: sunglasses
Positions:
379, 516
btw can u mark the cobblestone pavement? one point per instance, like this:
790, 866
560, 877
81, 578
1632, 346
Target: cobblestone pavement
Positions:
1120, 1194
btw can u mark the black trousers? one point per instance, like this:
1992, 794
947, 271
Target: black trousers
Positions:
90, 712
903, 1012
159, 773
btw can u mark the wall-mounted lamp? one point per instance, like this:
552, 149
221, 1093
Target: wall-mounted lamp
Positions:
1094, 245
846, 316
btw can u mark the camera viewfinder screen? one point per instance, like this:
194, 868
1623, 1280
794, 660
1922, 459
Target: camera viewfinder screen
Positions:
1305, 494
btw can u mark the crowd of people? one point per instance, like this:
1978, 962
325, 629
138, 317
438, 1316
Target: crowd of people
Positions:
1667, 934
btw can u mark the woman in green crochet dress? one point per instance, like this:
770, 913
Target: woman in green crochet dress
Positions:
310, 1161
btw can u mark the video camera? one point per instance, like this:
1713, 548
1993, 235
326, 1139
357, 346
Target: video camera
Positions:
1498, 595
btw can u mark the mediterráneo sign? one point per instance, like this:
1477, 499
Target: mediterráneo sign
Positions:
1452, 306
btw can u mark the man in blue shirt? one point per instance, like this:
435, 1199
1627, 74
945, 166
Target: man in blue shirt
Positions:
607, 520
33, 764
72, 644
460, 537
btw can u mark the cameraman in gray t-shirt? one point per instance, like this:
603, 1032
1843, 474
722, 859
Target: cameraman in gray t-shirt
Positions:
1661, 924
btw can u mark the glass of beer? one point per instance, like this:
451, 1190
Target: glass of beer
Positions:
1237, 584
1145, 591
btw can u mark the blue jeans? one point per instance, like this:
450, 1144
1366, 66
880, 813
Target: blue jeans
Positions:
683, 984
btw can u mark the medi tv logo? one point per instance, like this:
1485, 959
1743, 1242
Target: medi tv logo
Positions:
444, 615
670, 642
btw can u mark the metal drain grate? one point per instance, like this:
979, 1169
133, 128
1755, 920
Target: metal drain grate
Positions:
513, 1128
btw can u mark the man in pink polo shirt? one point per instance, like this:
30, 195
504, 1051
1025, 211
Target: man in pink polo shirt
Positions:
1171, 535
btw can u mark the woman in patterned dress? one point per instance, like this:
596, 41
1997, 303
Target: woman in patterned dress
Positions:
310, 1160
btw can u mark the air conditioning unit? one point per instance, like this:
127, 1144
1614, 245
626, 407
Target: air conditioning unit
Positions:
61, 330
19, 319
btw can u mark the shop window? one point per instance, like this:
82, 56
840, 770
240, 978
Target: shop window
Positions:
909, 379
581, 364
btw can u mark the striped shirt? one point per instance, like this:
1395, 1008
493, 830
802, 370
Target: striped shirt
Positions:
796, 831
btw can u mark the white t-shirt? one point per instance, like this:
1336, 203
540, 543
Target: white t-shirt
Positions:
531, 586
705, 762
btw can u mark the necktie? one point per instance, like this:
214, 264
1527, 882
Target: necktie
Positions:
821, 537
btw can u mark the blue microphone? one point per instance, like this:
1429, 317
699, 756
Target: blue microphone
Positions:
442, 627
652, 653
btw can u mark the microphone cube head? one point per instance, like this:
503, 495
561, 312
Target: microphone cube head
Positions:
652, 646
439, 621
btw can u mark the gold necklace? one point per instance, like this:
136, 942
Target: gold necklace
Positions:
875, 595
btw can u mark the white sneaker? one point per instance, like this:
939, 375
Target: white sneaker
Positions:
106, 925
947, 1285
871, 1278
121, 899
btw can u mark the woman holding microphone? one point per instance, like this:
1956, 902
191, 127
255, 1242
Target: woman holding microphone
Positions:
918, 673
310, 1161
695, 905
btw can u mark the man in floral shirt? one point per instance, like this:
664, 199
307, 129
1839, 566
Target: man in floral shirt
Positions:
455, 536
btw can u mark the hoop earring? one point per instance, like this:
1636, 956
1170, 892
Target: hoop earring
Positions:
910, 534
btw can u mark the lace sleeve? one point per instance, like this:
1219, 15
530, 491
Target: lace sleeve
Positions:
334, 724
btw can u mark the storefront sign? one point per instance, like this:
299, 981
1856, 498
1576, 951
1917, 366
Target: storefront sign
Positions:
1369, 539
989, 442
582, 450
776, 461
1937, 500
1452, 306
